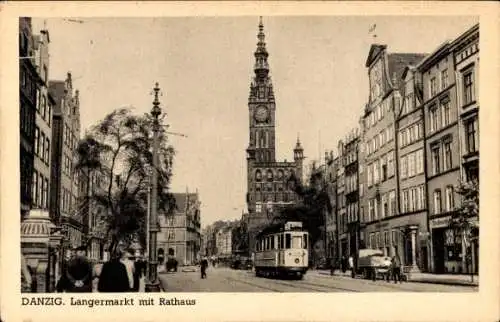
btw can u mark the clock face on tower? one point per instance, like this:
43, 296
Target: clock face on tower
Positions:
261, 113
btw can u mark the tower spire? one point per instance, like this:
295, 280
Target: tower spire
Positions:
261, 66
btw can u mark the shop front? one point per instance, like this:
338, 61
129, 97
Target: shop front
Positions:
452, 253
407, 236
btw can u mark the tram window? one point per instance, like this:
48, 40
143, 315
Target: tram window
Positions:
287, 241
305, 241
282, 238
272, 242
279, 241
297, 241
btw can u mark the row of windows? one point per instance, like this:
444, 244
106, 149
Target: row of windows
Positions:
381, 170
269, 187
68, 201
413, 199
412, 164
67, 165
273, 197
378, 113
262, 139
351, 183
411, 134
471, 135
378, 240
440, 117
408, 104
40, 191
69, 139
387, 206
379, 140
42, 146
27, 120
449, 200
434, 87
282, 241
26, 174
441, 161
270, 175
28, 85
44, 109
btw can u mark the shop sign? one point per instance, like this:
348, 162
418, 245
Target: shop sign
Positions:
440, 222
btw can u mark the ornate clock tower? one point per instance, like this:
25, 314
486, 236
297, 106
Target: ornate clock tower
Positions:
268, 189
261, 106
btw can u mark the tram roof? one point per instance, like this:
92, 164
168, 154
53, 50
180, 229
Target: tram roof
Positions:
276, 228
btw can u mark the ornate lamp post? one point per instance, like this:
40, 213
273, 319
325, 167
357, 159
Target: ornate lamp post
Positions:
153, 284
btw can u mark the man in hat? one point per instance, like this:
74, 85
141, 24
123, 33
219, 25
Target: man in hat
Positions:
79, 273
114, 277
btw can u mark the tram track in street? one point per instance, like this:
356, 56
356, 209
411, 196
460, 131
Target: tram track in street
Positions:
254, 285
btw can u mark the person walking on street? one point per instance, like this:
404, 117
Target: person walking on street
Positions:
351, 266
114, 276
396, 268
128, 260
203, 267
78, 275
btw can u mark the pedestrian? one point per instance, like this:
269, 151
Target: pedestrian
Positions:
343, 263
203, 267
128, 260
114, 276
78, 274
396, 268
351, 266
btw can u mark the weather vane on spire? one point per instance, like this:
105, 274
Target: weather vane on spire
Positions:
372, 31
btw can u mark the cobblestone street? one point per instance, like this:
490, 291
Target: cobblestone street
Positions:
227, 280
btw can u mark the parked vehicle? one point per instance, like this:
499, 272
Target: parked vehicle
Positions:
372, 263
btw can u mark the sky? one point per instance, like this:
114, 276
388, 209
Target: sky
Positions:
204, 67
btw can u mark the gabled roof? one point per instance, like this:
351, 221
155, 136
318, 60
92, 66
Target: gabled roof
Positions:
437, 54
181, 200
375, 50
397, 64
57, 90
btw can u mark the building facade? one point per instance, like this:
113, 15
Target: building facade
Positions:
267, 188
224, 242
385, 227
29, 84
64, 190
442, 148
180, 233
466, 52
350, 162
43, 127
411, 170
331, 164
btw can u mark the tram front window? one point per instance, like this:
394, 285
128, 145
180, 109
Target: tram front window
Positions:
305, 241
297, 242
287, 241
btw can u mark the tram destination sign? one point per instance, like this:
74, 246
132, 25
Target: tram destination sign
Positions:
293, 224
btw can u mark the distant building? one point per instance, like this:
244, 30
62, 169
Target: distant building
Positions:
64, 190
350, 223
180, 233
267, 190
223, 240
331, 217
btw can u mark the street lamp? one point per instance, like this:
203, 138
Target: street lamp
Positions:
153, 284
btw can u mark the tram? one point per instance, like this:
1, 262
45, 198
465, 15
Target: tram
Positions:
282, 250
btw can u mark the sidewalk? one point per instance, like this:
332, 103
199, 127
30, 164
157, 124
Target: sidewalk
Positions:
445, 279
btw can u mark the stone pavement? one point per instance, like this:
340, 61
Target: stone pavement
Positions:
445, 279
